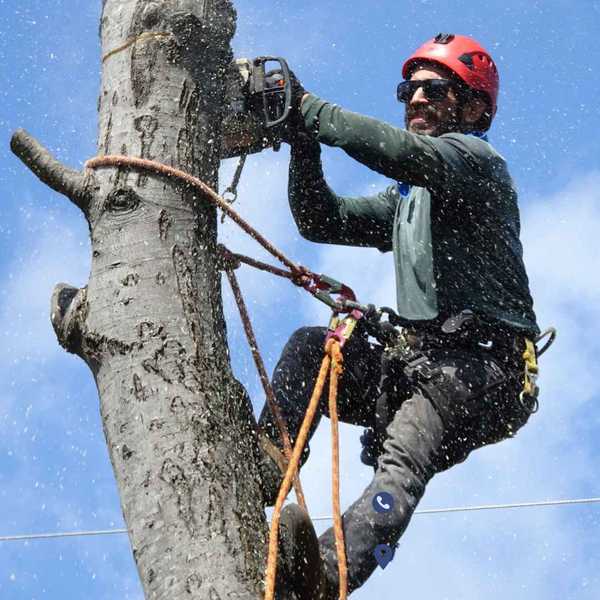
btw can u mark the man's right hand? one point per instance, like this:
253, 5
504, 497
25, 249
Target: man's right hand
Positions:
293, 130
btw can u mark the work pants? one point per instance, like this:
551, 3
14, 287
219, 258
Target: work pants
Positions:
464, 397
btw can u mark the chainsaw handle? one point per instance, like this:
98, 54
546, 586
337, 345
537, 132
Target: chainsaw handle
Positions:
287, 87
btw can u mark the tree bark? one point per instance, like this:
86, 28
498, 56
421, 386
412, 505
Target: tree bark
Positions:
179, 427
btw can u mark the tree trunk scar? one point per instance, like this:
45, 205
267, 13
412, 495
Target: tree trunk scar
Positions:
172, 364
174, 476
131, 280
189, 102
143, 61
108, 134
188, 294
146, 483
184, 98
99, 344
140, 392
164, 224
213, 594
156, 424
151, 365
193, 583
148, 330
126, 452
146, 125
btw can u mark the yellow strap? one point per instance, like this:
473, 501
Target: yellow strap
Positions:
531, 368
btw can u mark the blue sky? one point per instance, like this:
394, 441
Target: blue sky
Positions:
54, 469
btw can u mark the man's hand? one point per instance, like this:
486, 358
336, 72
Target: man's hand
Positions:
293, 129
298, 92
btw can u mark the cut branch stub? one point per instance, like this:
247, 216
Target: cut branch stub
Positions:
70, 183
68, 309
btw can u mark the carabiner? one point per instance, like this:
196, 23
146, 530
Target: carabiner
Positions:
323, 288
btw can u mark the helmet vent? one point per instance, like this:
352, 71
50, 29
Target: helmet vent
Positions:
444, 38
467, 59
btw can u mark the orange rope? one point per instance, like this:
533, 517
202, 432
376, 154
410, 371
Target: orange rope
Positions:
332, 364
292, 468
337, 369
264, 378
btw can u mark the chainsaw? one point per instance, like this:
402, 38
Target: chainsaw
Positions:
259, 100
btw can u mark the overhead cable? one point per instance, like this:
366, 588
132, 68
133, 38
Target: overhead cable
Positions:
429, 511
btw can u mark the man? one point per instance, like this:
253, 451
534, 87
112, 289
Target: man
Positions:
454, 381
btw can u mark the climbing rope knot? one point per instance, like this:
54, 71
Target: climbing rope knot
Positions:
301, 276
226, 259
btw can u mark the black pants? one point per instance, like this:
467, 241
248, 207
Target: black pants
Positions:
464, 398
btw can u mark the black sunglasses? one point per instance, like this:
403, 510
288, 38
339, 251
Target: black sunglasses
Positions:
433, 89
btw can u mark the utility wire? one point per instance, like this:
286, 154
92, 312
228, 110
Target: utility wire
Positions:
437, 511
430, 511
49, 536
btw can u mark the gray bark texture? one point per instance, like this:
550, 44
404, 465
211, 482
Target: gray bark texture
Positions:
179, 427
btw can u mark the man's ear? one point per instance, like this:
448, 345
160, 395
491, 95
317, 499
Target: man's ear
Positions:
473, 110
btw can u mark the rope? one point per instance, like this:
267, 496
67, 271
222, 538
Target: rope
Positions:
264, 378
134, 40
208, 193
331, 364
234, 259
337, 369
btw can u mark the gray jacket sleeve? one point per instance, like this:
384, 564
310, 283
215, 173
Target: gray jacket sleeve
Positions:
322, 216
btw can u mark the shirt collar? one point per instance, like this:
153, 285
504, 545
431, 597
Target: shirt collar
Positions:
479, 134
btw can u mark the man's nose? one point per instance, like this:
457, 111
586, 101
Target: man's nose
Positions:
418, 96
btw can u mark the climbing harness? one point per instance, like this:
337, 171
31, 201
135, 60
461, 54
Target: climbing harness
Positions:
340, 329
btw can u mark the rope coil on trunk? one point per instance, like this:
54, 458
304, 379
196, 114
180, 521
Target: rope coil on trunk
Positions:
147, 35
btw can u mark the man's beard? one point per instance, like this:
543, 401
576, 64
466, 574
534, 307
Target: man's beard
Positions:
432, 126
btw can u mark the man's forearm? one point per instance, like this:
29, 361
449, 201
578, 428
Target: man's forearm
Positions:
314, 206
389, 150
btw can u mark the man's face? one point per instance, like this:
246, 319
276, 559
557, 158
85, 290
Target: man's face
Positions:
431, 117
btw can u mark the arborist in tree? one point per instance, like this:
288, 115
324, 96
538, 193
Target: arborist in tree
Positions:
455, 378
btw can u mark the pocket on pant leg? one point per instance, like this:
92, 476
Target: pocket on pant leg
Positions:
460, 385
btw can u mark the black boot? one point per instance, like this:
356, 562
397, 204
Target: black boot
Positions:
301, 570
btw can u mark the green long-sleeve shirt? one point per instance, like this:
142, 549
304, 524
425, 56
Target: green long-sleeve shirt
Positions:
455, 234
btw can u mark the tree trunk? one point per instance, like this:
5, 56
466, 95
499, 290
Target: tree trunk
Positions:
150, 325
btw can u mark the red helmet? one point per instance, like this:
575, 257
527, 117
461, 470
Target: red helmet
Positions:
466, 58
